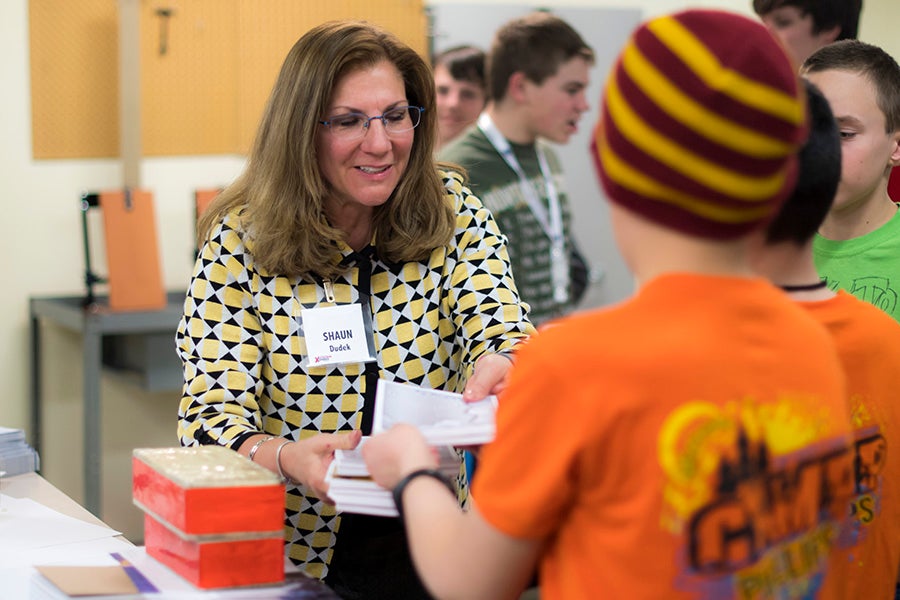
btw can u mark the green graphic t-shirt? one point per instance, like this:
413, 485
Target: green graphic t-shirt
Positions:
497, 186
868, 266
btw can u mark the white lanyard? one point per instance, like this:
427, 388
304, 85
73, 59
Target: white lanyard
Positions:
552, 224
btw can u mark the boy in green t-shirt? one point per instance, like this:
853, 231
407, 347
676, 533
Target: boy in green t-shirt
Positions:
868, 343
858, 245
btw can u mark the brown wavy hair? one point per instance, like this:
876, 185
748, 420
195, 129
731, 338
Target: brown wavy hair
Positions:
281, 193
536, 44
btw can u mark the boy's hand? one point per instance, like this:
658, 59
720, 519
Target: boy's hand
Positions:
391, 455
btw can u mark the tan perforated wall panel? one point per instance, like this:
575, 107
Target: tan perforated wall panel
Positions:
74, 79
270, 33
206, 70
189, 91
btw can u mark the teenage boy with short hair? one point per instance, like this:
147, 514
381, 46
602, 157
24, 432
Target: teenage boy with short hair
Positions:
460, 90
804, 26
537, 70
692, 441
868, 343
858, 245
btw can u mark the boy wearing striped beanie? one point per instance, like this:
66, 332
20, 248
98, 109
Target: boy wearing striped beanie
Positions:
692, 441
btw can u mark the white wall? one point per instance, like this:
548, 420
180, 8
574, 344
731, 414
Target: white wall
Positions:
42, 253
41, 248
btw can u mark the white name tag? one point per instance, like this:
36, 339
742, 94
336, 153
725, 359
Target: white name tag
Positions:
335, 334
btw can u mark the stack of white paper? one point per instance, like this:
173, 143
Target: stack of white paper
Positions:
16, 456
442, 417
352, 490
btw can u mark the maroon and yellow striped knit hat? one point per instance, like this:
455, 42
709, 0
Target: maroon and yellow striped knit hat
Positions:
701, 120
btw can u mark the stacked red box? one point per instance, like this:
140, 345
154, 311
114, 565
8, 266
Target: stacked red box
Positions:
211, 515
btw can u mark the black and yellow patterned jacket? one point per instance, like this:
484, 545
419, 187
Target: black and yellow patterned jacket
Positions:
242, 345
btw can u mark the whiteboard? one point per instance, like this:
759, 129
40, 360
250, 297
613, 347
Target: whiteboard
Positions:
606, 30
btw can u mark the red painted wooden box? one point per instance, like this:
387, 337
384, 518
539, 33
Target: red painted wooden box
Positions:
211, 515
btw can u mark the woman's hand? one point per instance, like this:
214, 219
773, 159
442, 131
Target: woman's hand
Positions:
391, 455
307, 460
489, 377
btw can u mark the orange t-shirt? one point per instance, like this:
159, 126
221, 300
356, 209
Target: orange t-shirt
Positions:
868, 343
693, 441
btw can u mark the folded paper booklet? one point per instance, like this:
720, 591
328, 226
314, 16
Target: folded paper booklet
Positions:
442, 417
352, 490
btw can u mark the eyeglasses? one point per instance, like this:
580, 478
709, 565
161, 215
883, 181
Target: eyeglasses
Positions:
354, 125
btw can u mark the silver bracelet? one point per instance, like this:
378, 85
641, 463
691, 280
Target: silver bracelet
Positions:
256, 446
284, 478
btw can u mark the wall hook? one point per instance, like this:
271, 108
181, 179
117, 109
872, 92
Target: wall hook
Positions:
164, 14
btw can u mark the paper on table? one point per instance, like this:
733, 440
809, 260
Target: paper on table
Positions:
16, 456
442, 417
26, 525
87, 581
11, 433
171, 585
17, 570
91, 553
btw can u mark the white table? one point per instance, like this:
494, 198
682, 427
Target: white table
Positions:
35, 487
18, 581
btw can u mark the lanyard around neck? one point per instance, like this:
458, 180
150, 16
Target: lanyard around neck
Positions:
551, 223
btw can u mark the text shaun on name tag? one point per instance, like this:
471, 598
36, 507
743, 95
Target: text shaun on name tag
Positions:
335, 334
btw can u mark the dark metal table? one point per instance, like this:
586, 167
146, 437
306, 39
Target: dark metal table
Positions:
141, 342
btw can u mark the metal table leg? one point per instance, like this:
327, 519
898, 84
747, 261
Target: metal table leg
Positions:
36, 399
92, 348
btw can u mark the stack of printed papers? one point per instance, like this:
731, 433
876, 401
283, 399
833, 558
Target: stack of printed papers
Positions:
16, 456
352, 490
442, 417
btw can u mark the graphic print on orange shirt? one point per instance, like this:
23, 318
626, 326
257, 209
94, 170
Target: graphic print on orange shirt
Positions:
758, 490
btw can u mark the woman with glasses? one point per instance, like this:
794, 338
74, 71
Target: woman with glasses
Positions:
340, 256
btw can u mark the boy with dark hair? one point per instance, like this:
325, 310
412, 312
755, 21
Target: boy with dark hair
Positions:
460, 90
537, 71
692, 441
868, 343
804, 26
858, 245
